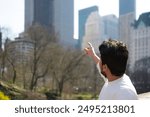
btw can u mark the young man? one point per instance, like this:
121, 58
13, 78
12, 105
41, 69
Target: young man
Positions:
112, 65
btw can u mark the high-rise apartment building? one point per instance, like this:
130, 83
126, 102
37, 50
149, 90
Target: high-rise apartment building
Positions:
58, 14
83, 16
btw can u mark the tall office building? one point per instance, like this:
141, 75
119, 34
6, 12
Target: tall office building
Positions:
56, 13
126, 6
109, 27
127, 13
64, 20
92, 31
38, 11
83, 16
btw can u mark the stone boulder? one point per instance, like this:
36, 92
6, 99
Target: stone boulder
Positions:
16, 93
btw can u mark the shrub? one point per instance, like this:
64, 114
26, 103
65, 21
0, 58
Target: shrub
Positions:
3, 96
51, 95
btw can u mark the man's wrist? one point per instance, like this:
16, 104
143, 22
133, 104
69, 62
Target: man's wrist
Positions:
95, 58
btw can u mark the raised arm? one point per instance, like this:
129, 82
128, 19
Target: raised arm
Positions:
90, 52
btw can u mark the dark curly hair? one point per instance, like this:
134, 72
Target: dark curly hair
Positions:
115, 55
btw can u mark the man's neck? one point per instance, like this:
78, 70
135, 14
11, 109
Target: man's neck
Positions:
112, 78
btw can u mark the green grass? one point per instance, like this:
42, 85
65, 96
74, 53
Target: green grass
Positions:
79, 96
84, 96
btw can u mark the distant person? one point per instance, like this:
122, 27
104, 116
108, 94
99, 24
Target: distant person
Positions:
112, 65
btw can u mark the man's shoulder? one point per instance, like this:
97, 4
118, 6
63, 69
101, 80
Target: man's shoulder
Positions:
126, 77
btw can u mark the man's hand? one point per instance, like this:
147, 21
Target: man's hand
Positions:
89, 50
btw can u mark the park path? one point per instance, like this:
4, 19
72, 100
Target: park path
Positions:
144, 96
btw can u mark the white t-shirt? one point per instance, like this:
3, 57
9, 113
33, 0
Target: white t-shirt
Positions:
120, 89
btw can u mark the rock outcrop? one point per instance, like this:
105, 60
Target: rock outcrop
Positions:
16, 93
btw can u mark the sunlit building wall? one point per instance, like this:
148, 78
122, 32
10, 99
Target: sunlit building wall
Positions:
109, 27
140, 38
64, 20
127, 13
83, 15
92, 31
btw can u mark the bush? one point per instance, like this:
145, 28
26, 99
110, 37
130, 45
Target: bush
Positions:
51, 95
3, 96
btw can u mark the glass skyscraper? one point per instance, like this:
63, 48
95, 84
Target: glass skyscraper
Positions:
38, 11
83, 15
43, 12
56, 13
127, 6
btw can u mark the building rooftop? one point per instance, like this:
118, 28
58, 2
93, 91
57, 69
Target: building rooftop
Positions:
144, 19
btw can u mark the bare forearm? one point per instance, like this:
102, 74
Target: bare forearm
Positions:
90, 52
95, 58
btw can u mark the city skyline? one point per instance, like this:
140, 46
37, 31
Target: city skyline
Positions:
55, 14
12, 12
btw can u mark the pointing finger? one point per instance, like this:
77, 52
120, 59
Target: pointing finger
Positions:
90, 44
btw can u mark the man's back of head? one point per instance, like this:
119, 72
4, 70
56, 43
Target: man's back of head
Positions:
115, 55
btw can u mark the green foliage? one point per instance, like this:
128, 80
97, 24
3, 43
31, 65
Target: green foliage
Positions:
3, 96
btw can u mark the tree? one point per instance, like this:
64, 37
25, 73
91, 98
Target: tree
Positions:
70, 67
63, 65
2, 63
140, 76
41, 38
11, 64
4, 34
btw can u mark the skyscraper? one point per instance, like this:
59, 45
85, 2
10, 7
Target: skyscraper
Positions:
109, 27
43, 12
64, 20
83, 15
126, 6
92, 31
56, 13
38, 11
127, 15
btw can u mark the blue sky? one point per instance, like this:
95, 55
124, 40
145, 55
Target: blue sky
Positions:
12, 12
